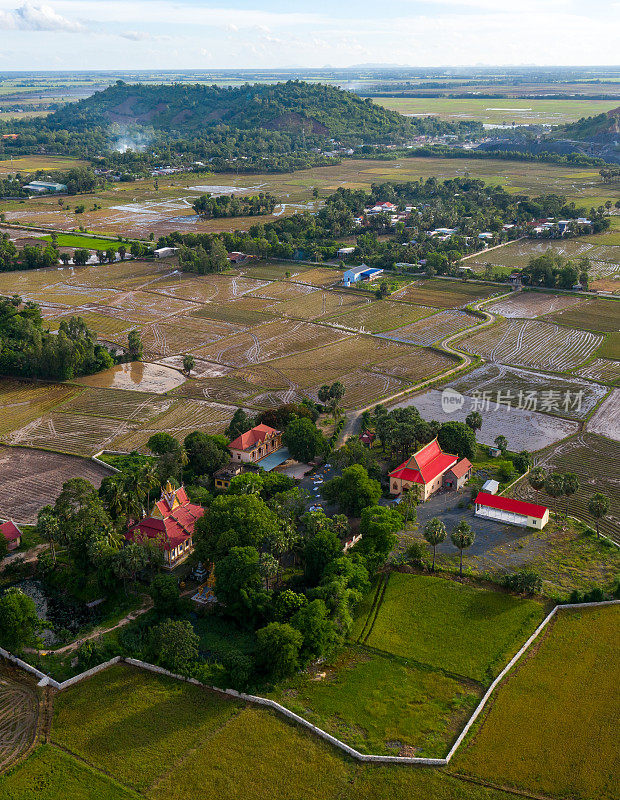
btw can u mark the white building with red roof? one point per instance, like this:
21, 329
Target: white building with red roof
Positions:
172, 522
513, 512
255, 444
11, 533
425, 469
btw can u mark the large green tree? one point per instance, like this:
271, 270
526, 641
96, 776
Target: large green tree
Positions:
277, 649
353, 491
239, 584
304, 440
18, 619
457, 438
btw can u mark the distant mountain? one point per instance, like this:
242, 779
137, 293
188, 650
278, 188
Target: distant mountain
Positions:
294, 107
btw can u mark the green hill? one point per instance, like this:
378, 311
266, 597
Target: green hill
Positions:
603, 128
293, 107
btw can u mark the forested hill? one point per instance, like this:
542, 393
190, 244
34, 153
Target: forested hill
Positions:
294, 107
604, 128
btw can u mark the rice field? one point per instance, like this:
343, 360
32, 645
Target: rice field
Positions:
320, 276
606, 419
24, 401
528, 305
519, 253
445, 294
570, 682
317, 304
593, 315
601, 369
181, 419
282, 290
433, 329
77, 434
183, 335
596, 461
532, 343
270, 341
380, 316
118, 404
416, 364
363, 388
202, 289
570, 397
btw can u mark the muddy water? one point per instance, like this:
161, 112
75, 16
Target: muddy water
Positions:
137, 376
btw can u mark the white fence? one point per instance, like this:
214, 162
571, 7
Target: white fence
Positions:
263, 701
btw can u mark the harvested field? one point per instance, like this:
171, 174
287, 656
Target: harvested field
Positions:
528, 305
66, 295
28, 281
380, 316
606, 420
201, 369
270, 341
601, 369
433, 329
365, 388
19, 713
183, 335
320, 276
532, 343
446, 294
183, 418
150, 303
570, 680
24, 401
519, 253
273, 271
606, 253
118, 404
137, 376
107, 328
283, 290
551, 394
596, 462
120, 275
318, 304
78, 434
240, 312
525, 430
334, 360
203, 289
32, 479
593, 315
416, 364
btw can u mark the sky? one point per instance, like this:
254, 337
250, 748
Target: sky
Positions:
199, 34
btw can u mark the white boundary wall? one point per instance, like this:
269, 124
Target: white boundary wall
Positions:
263, 701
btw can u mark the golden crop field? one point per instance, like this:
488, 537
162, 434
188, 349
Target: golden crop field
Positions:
380, 315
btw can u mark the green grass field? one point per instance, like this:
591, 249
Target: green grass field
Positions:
379, 704
505, 111
593, 315
553, 726
132, 727
452, 626
88, 242
610, 347
51, 774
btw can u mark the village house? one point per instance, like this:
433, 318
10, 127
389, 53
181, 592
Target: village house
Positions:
222, 477
255, 444
426, 469
361, 273
12, 534
171, 522
514, 512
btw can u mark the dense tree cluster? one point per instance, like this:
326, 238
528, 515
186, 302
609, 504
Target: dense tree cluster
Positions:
232, 206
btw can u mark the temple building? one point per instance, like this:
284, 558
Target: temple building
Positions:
255, 444
426, 469
171, 522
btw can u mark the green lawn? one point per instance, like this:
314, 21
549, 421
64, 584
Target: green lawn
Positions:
89, 242
610, 347
553, 726
51, 774
379, 704
452, 626
134, 723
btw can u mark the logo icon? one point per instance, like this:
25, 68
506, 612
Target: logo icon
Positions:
451, 401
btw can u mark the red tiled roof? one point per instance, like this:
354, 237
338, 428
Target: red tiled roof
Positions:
461, 468
10, 531
252, 437
431, 462
509, 504
175, 527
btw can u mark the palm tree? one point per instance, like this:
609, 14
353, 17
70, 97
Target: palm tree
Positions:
536, 479
49, 528
434, 533
462, 537
554, 486
571, 485
598, 506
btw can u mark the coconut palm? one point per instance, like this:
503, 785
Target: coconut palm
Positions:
554, 486
598, 506
536, 479
571, 485
434, 533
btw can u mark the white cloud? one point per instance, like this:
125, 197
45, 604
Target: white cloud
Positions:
29, 17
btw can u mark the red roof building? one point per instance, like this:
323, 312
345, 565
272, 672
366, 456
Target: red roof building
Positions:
425, 469
367, 438
513, 512
457, 476
11, 533
255, 444
171, 522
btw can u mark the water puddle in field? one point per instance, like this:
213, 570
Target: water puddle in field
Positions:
137, 376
